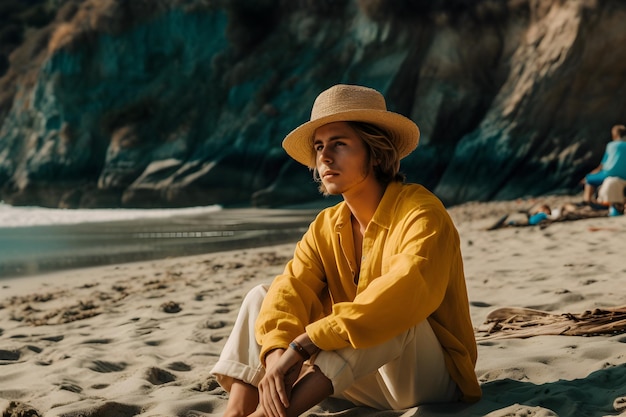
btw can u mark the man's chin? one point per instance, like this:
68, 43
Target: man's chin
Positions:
330, 192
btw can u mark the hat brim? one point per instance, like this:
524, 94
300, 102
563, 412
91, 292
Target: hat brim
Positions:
299, 142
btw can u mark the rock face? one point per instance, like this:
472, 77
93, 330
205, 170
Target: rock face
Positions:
149, 103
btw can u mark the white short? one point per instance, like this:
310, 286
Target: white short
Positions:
612, 190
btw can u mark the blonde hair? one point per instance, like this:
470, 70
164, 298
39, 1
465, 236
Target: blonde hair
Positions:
381, 149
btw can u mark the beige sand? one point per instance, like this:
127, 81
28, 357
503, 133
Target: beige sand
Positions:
139, 339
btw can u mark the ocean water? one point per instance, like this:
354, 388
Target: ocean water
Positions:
35, 240
11, 216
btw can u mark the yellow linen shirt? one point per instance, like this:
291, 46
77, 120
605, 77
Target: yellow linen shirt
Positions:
411, 270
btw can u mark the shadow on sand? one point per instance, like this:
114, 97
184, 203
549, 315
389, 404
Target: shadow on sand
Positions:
597, 395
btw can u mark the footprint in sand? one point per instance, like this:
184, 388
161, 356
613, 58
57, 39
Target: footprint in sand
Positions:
217, 337
9, 355
211, 324
106, 367
225, 308
210, 386
179, 366
69, 386
146, 328
97, 341
203, 334
200, 336
158, 376
111, 409
35, 349
205, 337
53, 338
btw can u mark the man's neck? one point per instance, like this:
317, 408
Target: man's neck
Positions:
364, 204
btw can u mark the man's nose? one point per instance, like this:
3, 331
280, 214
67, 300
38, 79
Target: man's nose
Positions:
325, 154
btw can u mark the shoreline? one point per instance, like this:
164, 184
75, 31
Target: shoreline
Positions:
41, 249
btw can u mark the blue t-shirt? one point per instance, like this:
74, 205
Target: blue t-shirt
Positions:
614, 159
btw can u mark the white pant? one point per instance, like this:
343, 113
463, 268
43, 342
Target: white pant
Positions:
403, 372
612, 190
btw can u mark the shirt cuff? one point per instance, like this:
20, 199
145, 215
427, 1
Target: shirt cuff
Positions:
325, 333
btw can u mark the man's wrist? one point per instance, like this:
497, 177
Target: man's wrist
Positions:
300, 350
306, 344
272, 355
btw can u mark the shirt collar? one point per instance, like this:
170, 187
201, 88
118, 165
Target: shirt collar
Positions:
386, 207
384, 211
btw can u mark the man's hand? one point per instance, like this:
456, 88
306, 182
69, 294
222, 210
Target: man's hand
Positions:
282, 371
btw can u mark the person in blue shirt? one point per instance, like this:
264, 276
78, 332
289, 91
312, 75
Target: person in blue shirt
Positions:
613, 164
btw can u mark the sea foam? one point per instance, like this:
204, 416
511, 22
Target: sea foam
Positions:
11, 216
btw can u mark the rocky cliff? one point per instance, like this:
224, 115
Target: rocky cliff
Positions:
146, 103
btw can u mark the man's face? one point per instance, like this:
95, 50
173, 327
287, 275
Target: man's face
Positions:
341, 159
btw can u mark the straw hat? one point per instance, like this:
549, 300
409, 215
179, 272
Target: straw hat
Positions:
350, 103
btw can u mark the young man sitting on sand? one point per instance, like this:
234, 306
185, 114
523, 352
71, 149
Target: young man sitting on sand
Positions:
373, 307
